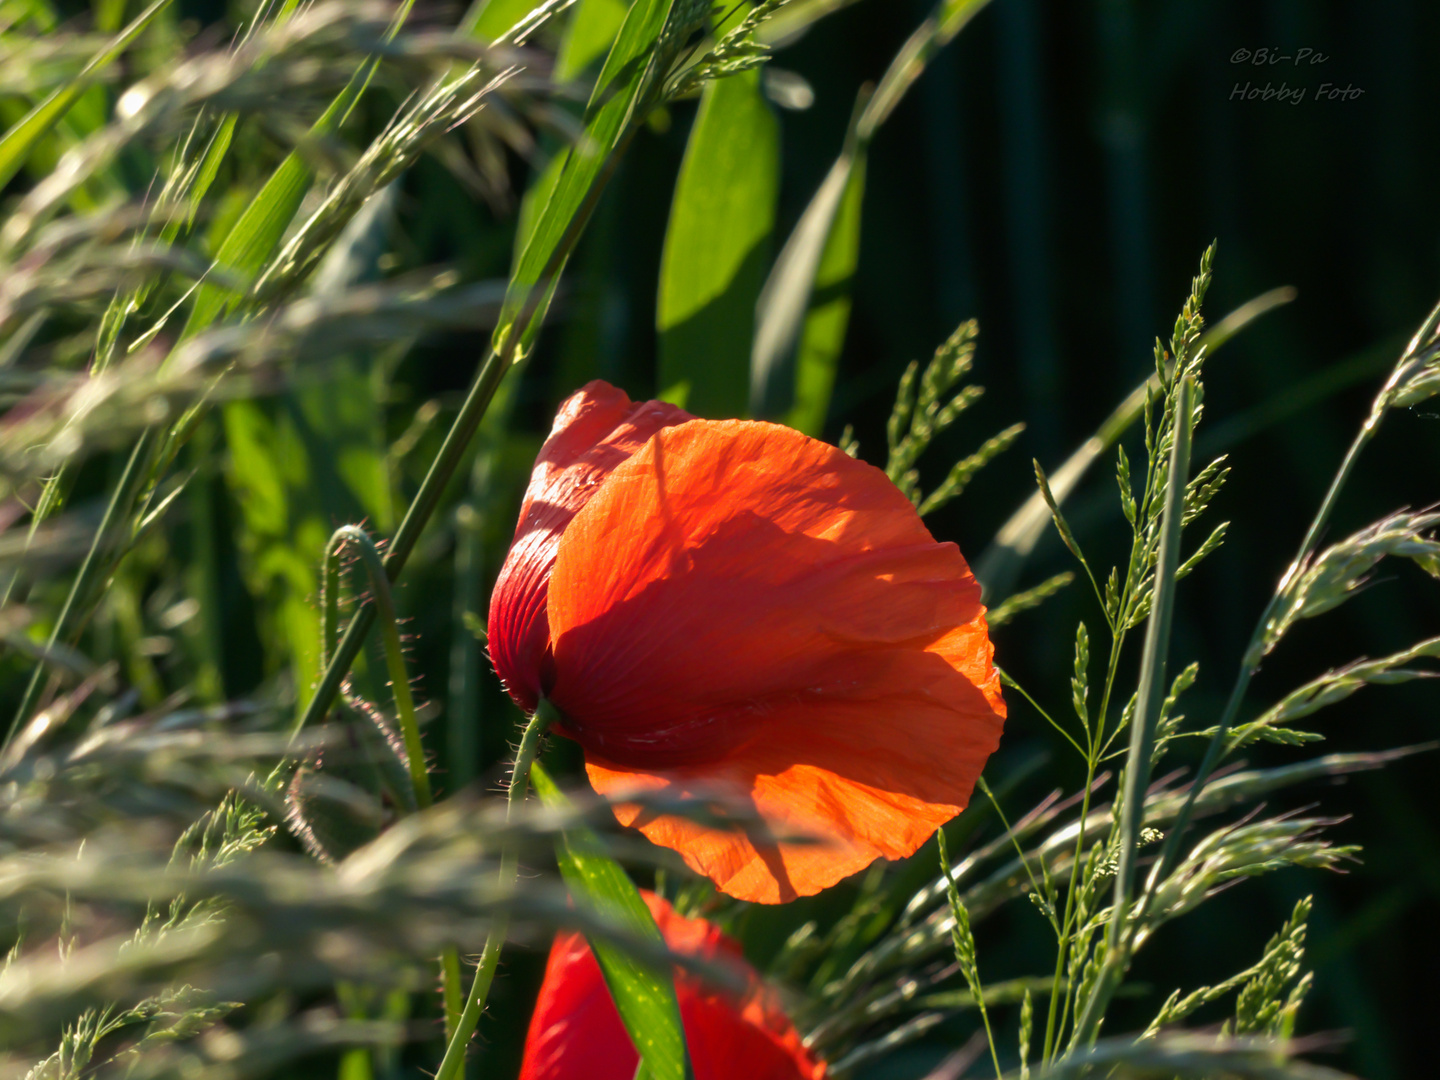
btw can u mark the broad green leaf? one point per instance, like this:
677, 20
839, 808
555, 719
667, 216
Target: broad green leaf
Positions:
717, 247
624, 78
645, 998
19, 140
592, 31
828, 316
780, 313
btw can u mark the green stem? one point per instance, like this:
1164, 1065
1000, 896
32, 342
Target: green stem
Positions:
1150, 698
1053, 1031
1253, 649
450, 981
404, 703
454, 1060
394, 651
95, 567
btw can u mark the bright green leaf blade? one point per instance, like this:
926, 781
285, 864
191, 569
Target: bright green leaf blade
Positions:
608, 117
260, 229
781, 309
592, 31
717, 246
645, 999
488, 19
589, 37
828, 316
21, 139
254, 238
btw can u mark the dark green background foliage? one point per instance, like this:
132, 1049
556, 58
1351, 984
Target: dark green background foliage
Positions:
1055, 174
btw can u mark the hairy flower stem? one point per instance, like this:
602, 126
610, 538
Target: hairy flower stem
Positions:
454, 1060
404, 702
1149, 699
394, 650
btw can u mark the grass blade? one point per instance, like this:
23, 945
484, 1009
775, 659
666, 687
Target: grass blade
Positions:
1150, 695
17, 143
623, 82
255, 237
591, 32
827, 316
645, 998
780, 312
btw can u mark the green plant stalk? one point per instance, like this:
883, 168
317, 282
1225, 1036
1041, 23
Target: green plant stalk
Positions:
1142, 730
952, 893
1253, 655
404, 702
95, 567
1059, 987
394, 650
453, 1062
467, 422
1098, 743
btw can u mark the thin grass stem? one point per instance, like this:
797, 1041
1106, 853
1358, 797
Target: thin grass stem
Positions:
442, 469
1150, 698
92, 571
1010, 682
454, 1060
1415, 352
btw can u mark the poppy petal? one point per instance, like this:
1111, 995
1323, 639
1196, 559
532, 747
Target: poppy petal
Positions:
742, 608
596, 429
576, 1032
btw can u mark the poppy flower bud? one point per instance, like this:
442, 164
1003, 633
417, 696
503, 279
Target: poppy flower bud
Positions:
576, 1032
595, 430
733, 609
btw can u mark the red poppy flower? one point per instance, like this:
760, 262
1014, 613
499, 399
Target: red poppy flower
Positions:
576, 1032
737, 609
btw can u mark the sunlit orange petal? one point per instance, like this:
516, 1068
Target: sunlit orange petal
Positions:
740, 605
